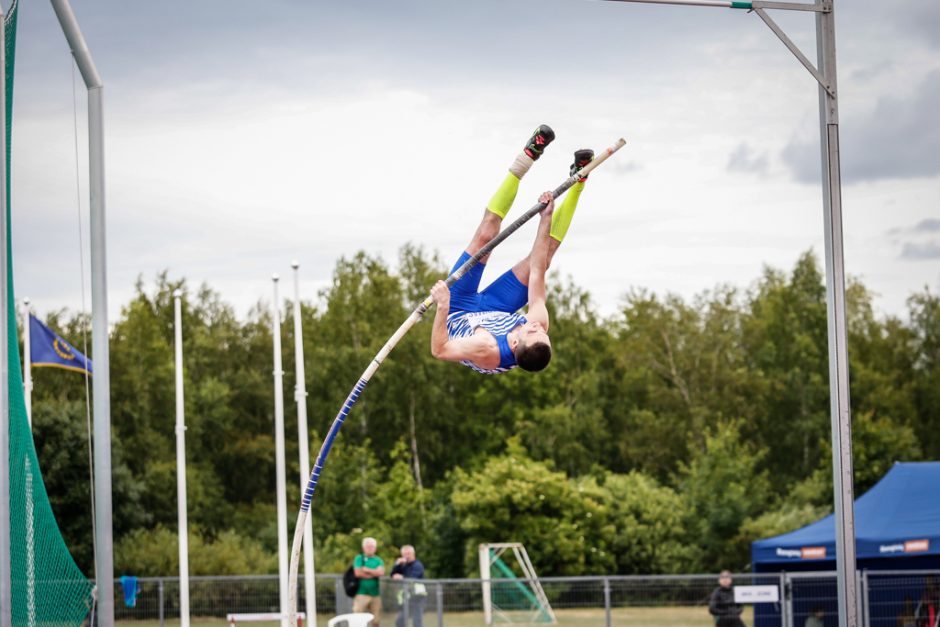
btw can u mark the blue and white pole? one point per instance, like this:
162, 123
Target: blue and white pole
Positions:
413, 319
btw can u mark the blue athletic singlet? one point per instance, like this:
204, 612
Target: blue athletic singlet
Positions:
498, 323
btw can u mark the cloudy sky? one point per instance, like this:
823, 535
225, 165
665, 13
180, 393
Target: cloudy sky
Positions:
243, 135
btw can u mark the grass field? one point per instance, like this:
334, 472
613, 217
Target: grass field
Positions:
639, 616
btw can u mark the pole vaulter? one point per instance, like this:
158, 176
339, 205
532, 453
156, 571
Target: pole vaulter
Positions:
413, 319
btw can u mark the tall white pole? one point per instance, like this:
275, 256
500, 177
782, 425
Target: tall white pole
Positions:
27, 366
182, 525
28, 471
6, 594
300, 395
101, 384
279, 457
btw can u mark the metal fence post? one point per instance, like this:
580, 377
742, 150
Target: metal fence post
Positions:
861, 576
404, 600
783, 600
440, 604
160, 602
607, 600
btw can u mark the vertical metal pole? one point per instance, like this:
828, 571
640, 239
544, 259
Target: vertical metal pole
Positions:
101, 384
866, 605
27, 365
841, 417
279, 458
405, 599
6, 596
440, 604
160, 611
182, 526
862, 578
303, 439
607, 601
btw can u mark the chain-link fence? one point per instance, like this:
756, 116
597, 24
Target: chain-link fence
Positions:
887, 599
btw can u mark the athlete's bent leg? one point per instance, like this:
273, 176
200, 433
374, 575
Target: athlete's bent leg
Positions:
502, 200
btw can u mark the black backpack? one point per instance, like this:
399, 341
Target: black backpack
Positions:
350, 581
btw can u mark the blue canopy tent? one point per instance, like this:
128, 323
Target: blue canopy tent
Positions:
897, 527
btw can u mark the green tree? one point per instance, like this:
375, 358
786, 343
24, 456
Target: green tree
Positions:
722, 486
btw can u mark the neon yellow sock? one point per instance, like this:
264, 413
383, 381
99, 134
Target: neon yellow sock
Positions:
561, 218
502, 199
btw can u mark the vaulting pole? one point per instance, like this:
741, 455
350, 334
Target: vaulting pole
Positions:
413, 319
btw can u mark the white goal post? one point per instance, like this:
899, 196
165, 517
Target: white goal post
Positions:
490, 556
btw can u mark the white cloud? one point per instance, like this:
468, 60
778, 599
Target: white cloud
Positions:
240, 139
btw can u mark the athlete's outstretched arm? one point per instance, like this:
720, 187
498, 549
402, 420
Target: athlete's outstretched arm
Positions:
538, 264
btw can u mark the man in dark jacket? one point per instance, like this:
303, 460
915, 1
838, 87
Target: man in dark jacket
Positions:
413, 595
721, 603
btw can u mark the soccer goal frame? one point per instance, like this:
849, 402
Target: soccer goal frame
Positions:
490, 556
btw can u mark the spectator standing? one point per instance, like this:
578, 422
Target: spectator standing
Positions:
721, 603
369, 568
927, 613
815, 618
408, 567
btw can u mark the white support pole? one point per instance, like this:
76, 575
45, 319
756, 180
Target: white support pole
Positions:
6, 594
303, 439
28, 471
101, 384
484, 555
279, 458
182, 525
27, 365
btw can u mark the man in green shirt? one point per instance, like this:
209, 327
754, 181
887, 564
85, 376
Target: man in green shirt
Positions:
369, 567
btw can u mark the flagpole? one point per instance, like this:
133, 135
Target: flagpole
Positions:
28, 471
300, 395
27, 366
182, 526
281, 482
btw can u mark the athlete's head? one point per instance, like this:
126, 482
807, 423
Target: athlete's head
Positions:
534, 349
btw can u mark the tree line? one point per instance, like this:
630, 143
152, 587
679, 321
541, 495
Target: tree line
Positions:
662, 439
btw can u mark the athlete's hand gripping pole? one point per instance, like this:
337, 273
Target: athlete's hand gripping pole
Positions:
413, 319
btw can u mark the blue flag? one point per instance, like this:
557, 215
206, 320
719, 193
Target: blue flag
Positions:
46, 349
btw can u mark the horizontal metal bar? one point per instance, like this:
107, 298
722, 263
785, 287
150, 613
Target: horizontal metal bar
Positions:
821, 7
724, 4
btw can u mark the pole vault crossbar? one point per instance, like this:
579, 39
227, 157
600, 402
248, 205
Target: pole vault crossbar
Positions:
840, 410
413, 319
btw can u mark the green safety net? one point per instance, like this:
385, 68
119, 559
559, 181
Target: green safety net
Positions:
47, 586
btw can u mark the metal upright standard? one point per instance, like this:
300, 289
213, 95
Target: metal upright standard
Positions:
104, 562
825, 74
